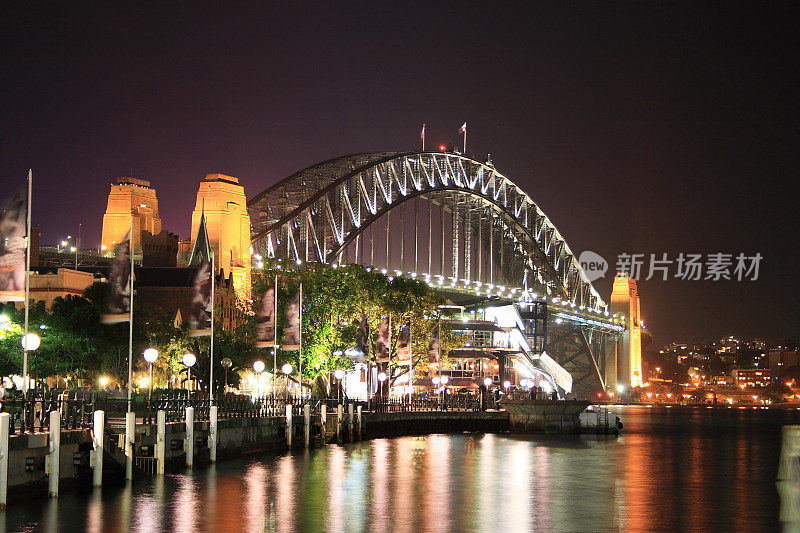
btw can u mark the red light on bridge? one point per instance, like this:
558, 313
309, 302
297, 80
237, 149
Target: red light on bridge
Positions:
442, 148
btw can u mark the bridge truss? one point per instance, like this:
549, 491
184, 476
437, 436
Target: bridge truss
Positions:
450, 220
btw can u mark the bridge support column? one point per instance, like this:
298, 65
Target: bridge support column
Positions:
4, 450
161, 441
55, 453
212, 437
360, 421
307, 424
98, 428
188, 444
130, 436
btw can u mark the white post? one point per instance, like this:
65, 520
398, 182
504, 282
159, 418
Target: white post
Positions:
130, 437
307, 423
161, 436
323, 418
212, 438
189, 443
99, 429
289, 425
55, 453
359, 419
350, 421
339, 417
4, 433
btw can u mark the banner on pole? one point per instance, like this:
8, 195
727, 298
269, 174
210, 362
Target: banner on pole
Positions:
291, 333
12, 248
382, 352
433, 345
202, 306
265, 331
118, 306
362, 341
404, 343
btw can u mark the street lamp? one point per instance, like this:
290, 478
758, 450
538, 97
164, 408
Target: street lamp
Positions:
258, 367
339, 374
487, 382
444, 380
150, 355
382, 377
226, 364
287, 369
189, 360
30, 343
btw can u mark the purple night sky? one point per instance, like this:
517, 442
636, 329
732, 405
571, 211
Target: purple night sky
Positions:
637, 127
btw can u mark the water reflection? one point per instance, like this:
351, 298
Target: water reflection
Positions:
676, 469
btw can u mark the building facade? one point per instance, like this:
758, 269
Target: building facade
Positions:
130, 197
221, 202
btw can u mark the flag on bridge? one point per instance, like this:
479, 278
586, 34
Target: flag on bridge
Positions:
463, 128
12, 248
118, 305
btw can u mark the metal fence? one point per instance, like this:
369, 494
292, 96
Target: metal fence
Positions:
76, 407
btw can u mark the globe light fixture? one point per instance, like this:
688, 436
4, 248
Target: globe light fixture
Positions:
338, 373
189, 360
259, 366
435, 380
104, 382
151, 356
30, 342
286, 368
226, 364
445, 380
506, 384
382, 377
487, 382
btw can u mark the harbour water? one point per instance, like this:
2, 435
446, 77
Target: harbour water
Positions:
671, 469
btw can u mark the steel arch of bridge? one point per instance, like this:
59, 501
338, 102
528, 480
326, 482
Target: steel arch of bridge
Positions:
317, 213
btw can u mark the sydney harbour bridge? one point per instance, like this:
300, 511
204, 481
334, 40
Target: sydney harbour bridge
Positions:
457, 224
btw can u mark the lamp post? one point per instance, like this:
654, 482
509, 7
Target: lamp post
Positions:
339, 374
189, 360
151, 356
258, 367
30, 343
287, 369
226, 364
444, 380
382, 377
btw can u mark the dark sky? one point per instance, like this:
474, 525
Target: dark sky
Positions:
638, 127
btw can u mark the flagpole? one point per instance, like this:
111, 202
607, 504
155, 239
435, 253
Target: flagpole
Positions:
27, 288
465, 141
423, 137
410, 364
300, 336
275, 339
211, 350
130, 320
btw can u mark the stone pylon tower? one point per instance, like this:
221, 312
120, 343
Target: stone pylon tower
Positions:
222, 204
130, 196
625, 302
